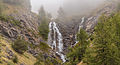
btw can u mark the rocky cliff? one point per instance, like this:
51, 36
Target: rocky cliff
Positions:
70, 27
17, 20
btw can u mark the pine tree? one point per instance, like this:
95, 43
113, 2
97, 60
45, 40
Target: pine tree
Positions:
105, 49
77, 52
43, 23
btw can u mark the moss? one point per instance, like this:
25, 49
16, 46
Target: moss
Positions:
10, 19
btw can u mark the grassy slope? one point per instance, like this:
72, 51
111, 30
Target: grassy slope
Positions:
26, 58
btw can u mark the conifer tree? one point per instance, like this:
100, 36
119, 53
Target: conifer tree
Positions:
104, 45
43, 23
77, 52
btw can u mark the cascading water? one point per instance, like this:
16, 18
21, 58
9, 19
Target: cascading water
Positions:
80, 26
55, 40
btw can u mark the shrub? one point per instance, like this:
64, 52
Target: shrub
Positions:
15, 59
44, 47
20, 46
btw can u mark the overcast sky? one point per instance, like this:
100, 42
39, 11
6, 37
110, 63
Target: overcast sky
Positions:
49, 5
70, 6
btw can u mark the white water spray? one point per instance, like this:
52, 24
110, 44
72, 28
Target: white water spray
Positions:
80, 26
55, 40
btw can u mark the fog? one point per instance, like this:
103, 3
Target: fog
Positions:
49, 5
70, 6
77, 7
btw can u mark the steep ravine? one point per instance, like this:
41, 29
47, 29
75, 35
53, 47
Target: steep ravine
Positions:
62, 34
69, 28
55, 40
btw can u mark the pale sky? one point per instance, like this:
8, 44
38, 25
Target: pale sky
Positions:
70, 6
49, 5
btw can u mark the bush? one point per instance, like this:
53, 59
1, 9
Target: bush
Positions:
15, 59
20, 46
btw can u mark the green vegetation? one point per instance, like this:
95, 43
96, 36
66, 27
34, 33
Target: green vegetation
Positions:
20, 46
42, 46
10, 19
76, 53
106, 42
104, 45
44, 30
15, 59
45, 60
43, 24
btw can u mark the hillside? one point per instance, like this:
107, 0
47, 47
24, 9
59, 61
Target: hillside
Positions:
27, 38
9, 57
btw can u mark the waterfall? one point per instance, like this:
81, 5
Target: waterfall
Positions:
80, 26
55, 40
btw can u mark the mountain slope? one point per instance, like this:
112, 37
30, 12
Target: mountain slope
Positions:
8, 56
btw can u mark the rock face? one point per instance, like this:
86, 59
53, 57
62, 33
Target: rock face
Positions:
92, 20
28, 28
70, 28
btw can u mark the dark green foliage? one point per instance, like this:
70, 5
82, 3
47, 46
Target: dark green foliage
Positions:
82, 36
76, 53
20, 46
105, 44
43, 24
15, 59
44, 47
44, 29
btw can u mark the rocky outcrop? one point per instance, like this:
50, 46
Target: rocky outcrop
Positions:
69, 28
28, 28
92, 20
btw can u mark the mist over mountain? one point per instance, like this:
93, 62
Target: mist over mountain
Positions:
79, 32
49, 5
80, 7
70, 6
